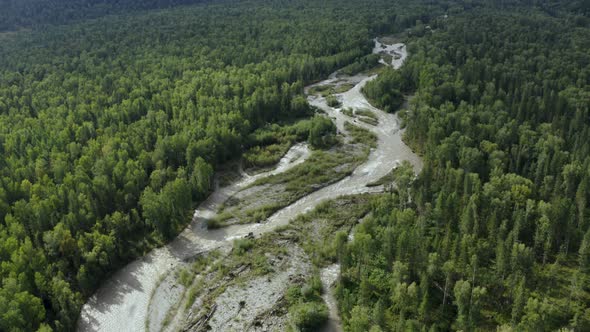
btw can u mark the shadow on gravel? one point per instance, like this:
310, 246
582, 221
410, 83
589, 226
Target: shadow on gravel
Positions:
119, 284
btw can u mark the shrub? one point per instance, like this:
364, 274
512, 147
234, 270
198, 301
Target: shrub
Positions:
243, 245
332, 101
308, 316
321, 133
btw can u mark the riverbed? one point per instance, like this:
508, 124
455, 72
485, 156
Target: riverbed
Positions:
123, 301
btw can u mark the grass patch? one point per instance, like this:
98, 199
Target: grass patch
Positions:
343, 88
249, 258
363, 115
186, 277
320, 231
242, 246
330, 89
369, 121
265, 156
322, 168
323, 90
405, 169
361, 135
366, 113
316, 232
193, 292
267, 145
316, 172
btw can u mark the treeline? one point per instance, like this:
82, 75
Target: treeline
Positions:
24, 14
37, 14
110, 130
495, 232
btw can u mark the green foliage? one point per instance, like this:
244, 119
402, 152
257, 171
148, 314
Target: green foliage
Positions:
367, 116
366, 113
308, 316
265, 156
185, 278
494, 231
402, 174
385, 91
35, 13
307, 310
348, 112
333, 101
167, 210
20, 310
270, 143
110, 129
241, 246
322, 132
361, 135
364, 63
329, 89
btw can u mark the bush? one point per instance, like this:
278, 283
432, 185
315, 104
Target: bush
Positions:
321, 133
243, 245
214, 223
185, 277
308, 316
365, 63
332, 101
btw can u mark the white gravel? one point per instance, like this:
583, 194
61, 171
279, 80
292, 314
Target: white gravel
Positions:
121, 304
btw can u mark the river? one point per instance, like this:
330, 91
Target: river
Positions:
122, 302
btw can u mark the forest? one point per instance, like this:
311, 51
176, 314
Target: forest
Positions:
26, 14
111, 128
114, 117
494, 234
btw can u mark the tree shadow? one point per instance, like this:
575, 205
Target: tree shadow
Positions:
112, 293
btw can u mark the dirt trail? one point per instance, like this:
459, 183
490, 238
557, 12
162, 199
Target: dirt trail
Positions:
122, 303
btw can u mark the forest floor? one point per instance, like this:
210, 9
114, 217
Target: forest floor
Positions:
203, 279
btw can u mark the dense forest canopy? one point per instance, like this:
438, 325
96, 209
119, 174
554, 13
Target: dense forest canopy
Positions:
22, 14
26, 14
114, 115
495, 231
110, 128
